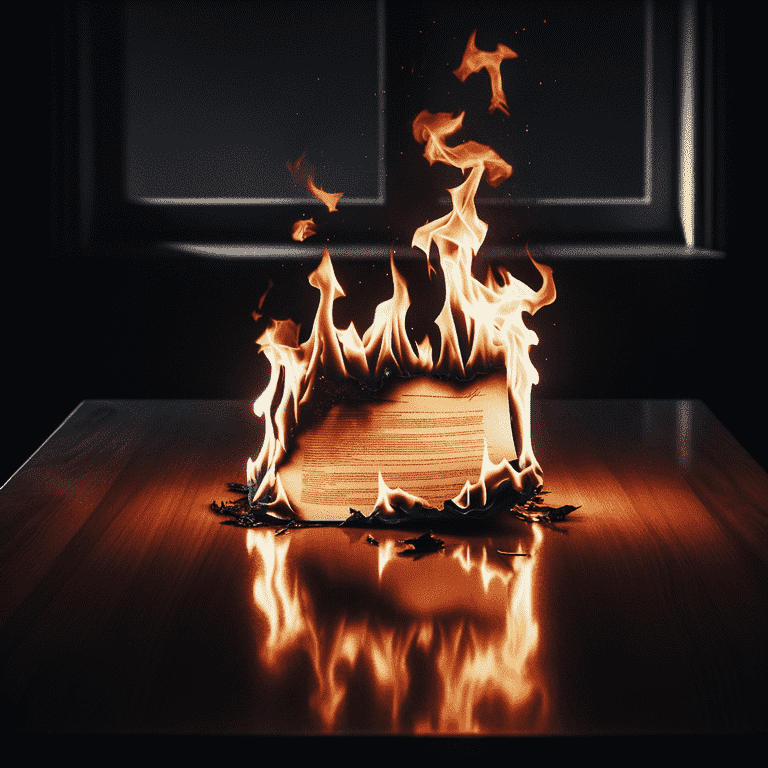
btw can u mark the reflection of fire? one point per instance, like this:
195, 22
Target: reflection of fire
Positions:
476, 656
491, 315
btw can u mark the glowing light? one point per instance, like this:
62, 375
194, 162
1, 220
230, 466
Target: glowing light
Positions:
487, 654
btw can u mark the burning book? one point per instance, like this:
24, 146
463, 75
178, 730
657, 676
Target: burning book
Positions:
481, 328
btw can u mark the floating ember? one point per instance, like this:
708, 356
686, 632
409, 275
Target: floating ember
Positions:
474, 60
303, 229
304, 174
489, 314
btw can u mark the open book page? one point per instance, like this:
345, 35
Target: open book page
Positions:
424, 435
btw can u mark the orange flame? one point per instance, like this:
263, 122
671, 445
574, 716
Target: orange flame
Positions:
305, 175
488, 654
330, 199
491, 314
474, 60
303, 229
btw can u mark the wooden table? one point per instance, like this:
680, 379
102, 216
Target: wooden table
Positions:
127, 607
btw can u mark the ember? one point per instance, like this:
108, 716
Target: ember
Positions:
474, 60
303, 229
304, 174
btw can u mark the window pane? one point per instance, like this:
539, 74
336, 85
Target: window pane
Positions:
220, 95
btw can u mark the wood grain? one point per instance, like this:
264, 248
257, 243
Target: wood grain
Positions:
126, 607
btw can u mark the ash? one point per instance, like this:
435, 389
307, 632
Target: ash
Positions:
528, 507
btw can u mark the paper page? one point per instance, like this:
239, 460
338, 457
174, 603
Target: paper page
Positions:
424, 435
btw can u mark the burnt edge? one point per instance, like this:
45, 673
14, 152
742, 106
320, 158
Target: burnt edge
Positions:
328, 392
526, 506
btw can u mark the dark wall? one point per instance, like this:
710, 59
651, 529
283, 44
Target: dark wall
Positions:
134, 326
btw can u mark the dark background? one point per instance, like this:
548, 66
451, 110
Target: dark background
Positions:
132, 325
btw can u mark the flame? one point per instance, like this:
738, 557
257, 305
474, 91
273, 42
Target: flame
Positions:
491, 477
303, 229
330, 199
474, 60
491, 315
305, 175
486, 654
390, 501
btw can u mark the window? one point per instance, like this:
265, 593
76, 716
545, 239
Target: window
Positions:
184, 133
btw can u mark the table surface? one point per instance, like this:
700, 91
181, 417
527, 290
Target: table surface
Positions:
127, 607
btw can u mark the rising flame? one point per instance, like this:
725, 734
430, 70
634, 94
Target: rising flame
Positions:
487, 653
491, 314
474, 60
